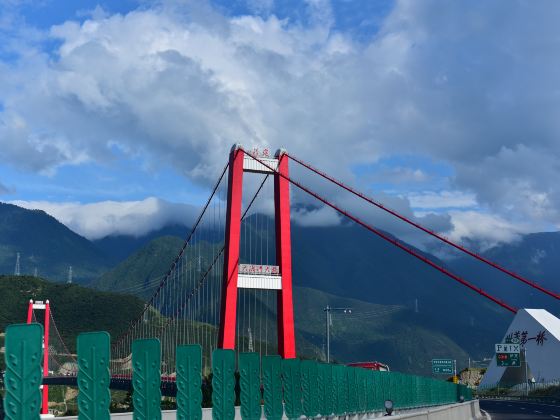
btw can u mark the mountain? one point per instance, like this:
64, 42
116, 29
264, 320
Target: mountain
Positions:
75, 308
118, 247
333, 265
137, 272
534, 256
47, 245
348, 261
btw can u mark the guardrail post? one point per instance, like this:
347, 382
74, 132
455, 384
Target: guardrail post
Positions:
250, 384
321, 389
223, 384
146, 379
291, 380
189, 382
309, 387
272, 385
341, 384
23, 355
94, 356
352, 390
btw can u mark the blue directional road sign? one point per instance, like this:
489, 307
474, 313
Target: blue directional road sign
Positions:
443, 366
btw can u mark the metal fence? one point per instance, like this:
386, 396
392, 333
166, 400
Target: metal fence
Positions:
278, 386
548, 391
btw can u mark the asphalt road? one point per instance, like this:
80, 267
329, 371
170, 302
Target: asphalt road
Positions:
519, 410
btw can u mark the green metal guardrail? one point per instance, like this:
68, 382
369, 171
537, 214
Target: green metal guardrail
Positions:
306, 387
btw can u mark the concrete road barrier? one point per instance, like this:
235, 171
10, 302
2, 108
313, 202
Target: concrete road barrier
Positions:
468, 410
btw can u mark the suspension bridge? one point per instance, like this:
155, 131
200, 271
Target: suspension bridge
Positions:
230, 285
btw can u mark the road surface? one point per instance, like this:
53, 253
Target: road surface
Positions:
519, 410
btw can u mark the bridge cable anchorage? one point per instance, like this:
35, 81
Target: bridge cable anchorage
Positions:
393, 241
179, 255
424, 229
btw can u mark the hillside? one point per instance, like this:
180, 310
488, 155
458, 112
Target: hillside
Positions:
118, 247
534, 256
75, 309
47, 245
151, 261
448, 318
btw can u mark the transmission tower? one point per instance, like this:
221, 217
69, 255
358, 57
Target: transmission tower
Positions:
251, 349
69, 275
17, 271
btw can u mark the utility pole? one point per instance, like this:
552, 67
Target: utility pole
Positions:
328, 309
17, 271
526, 373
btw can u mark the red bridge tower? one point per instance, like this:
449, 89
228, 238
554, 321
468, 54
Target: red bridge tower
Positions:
240, 162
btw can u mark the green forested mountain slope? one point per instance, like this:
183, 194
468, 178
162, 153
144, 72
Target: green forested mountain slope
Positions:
75, 308
151, 261
384, 324
47, 245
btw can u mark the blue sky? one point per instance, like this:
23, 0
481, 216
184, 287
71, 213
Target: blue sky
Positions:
132, 179
109, 102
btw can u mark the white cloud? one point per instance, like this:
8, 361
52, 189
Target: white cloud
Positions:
97, 220
437, 200
323, 216
489, 230
473, 85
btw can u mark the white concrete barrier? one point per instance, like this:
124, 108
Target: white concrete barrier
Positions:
469, 410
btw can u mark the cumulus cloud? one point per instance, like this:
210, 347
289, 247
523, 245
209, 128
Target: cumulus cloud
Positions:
489, 230
441, 199
472, 85
323, 216
134, 218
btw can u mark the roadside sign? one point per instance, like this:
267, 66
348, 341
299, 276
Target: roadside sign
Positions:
443, 366
507, 348
508, 359
507, 354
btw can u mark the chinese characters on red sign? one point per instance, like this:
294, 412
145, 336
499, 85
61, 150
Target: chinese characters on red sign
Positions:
272, 270
264, 153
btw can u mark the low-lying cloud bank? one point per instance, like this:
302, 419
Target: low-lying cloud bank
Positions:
134, 218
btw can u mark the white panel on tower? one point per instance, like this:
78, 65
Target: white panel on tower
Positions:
252, 165
256, 281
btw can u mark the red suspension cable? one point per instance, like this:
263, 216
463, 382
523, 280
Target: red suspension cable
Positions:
393, 241
426, 230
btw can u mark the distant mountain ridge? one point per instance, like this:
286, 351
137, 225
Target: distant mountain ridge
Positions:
118, 247
364, 269
535, 256
47, 245
329, 263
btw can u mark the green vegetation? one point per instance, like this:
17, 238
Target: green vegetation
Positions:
47, 245
390, 333
75, 309
140, 268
